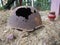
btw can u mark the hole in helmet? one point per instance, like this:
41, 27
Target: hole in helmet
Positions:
34, 11
24, 12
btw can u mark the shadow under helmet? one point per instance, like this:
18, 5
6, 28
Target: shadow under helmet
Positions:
25, 18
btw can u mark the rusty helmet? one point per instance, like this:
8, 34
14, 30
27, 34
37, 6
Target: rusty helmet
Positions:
25, 18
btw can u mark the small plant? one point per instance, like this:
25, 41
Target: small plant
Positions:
1, 8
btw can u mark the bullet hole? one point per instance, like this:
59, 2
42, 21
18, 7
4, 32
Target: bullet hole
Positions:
34, 11
24, 12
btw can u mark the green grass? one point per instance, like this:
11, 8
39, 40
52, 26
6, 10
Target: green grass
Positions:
1, 8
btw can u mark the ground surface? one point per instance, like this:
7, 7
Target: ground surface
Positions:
47, 35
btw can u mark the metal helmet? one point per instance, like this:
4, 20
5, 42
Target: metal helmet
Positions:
25, 18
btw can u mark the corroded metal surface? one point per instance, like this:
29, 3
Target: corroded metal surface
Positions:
20, 19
